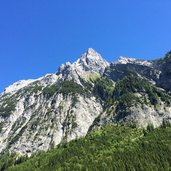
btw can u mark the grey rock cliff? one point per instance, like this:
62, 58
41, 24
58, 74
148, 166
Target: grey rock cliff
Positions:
39, 114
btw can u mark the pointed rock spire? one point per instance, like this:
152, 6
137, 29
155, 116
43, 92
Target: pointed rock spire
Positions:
89, 62
91, 51
92, 61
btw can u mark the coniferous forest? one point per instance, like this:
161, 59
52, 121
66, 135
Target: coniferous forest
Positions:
112, 147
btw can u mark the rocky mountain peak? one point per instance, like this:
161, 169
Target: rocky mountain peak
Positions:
91, 52
60, 107
125, 60
89, 62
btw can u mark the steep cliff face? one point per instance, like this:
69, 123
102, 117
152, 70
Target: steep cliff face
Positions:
40, 121
158, 71
164, 66
120, 69
90, 63
136, 101
38, 114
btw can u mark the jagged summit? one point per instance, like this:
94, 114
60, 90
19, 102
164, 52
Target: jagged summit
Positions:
91, 54
38, 114
89, 62
126, 60
91, 51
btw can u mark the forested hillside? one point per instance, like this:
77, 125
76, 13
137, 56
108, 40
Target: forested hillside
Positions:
112, 147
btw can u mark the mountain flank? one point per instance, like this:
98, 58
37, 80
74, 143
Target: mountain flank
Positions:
36, 115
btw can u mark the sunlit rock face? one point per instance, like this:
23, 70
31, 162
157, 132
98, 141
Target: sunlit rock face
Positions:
38, 114
33, 119
89, 63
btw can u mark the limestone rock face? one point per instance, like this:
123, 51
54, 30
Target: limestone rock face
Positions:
39, 114
36, 114
89, 63
39, 122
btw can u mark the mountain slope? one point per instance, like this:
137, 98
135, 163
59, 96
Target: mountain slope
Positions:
136, 101
109, 148
39, 114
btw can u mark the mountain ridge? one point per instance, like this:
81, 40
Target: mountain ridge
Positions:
89, 93
90, 51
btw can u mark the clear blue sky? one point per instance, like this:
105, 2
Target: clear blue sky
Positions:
36, 36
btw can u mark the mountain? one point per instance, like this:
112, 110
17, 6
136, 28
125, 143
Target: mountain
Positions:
88, 65
39, 114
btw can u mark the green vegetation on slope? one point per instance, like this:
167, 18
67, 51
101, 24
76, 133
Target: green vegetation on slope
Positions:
134, 90
124, 92
7, 106
65, 87
134, 84
103, 87
109, 148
